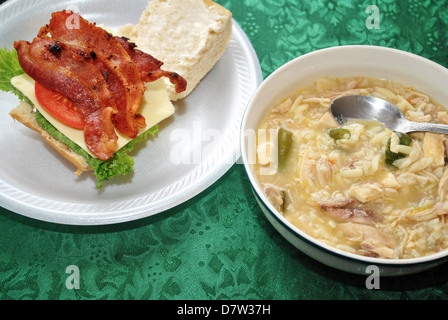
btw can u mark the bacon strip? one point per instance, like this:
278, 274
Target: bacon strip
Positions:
105, 52
54, 66
150, 67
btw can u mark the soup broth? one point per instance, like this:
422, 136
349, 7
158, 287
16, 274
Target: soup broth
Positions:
358, 187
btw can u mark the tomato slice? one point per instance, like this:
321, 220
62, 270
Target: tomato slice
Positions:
59, 107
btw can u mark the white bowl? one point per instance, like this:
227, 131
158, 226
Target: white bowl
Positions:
369, 61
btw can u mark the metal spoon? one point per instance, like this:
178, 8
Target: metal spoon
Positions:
370, 108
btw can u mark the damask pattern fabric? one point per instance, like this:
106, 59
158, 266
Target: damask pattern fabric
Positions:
219, 245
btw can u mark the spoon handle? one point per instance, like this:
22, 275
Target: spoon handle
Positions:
424, 126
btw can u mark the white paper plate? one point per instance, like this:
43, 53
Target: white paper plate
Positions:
36, 182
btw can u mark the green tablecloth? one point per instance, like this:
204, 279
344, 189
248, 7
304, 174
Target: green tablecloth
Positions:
219, 245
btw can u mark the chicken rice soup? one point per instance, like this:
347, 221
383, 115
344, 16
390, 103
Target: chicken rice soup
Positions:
358, 187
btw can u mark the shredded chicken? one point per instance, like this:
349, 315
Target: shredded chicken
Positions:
434, 148
327, 121
443, 186
315, 170
366, 192
284, 107
372, 241
343, 211
275, 196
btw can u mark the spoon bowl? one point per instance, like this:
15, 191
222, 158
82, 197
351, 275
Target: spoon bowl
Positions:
361, 107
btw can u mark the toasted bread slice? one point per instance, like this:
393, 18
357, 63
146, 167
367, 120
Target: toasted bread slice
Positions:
189, 36
25, 114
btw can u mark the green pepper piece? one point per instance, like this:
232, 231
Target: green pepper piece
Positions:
405, 140
390, 156
284, 147
339, 133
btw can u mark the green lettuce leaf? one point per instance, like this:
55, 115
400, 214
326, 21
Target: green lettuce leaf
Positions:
120, 164
9, 68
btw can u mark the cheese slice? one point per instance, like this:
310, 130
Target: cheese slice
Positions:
155, 107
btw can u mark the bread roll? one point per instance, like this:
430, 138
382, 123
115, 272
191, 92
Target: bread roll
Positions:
189, 36
25, 114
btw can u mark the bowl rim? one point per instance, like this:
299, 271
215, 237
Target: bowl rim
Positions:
408, 262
